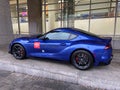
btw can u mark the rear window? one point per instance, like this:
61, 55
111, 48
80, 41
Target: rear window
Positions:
88, 33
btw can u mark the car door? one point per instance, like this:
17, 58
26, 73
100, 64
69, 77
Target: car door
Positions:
54, 42
51, 44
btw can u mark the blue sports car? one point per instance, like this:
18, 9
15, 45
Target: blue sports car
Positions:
81, 48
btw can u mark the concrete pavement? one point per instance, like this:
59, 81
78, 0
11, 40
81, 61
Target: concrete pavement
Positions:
104, 77
16, 81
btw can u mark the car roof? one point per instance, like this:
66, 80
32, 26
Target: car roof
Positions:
76, 31
67, 30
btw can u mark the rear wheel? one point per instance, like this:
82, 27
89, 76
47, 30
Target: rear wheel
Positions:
18, 51
82, 59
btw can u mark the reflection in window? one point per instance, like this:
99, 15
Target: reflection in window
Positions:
82, 9
58, 36
14, 16
90, 15
82, 15
23, 13
72, 36
98, 9
118, 9
19, 16
101, 9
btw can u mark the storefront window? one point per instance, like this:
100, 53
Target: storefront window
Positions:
118, 8
14, 16
102, 17
100, 8
82, 14
117, 33
97, 16
23, 17
19, 16
51, 11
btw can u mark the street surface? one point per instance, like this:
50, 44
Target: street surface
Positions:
17, 81
62, 75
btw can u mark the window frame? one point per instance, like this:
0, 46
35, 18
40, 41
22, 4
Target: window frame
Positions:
69, 37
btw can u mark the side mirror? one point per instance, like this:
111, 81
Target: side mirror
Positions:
45, 38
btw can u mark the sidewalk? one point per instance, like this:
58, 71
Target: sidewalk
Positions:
104, 77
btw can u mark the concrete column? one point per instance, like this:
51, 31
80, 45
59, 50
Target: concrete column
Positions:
44, 17
68, 13
35, 16
51, 14
71, 11
6, 32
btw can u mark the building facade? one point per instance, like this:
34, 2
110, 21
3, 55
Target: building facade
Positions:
101, 17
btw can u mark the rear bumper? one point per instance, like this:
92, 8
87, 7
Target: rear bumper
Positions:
104, 57
106, 61
109, 61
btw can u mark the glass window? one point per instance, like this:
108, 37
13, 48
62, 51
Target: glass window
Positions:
82, 14
97, 16
82, 9
112, 9
100, 8
14, 16
99, 13
19, 16
58, 35
72, 36
102, 14
117, 33
23, 13
23, 17
51, 14
118, 9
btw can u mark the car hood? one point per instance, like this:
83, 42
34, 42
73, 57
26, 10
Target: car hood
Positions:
29, 37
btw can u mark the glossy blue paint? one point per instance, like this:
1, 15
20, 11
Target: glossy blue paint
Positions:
98, 47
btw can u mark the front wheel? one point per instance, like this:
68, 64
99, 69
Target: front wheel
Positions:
82, 59
18, 51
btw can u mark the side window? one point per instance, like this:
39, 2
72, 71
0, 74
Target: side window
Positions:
72, 36
58, 36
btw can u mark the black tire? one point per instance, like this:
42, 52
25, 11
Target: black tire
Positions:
82, 59
18, 51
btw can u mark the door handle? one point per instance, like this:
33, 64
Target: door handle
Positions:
63, 44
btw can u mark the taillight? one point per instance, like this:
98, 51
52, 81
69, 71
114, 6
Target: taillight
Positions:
108, 46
